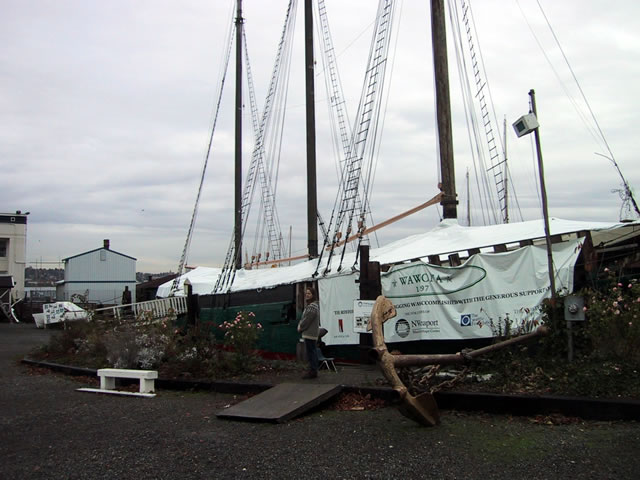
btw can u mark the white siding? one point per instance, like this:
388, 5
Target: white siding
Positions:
102, 274
14, 261
106, 293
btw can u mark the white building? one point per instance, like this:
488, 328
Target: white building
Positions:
13, 250
101, 275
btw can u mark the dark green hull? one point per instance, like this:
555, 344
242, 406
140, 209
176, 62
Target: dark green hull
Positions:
278, 313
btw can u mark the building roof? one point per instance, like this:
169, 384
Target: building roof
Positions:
97, 249
19, 218
156, 282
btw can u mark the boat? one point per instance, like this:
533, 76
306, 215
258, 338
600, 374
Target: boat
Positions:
453, 285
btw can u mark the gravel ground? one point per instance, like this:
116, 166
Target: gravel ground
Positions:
48, 430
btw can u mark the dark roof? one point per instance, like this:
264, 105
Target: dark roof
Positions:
156, 282
13, 218
95, 250
6, 281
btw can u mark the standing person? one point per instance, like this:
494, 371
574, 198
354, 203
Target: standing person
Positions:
308, 327
126, 299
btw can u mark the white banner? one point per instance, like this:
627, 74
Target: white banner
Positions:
451, 303
336, 309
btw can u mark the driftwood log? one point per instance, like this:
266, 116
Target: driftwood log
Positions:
421, 408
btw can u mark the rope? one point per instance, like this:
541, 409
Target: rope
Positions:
183, 259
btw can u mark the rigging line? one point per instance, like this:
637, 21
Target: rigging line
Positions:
487, 87
575, 79
467, 104
337, 123
384, 108
484, 196
352, 172
283, 95
372, 146
183, 259
267, 206
378, 76
584, 98
338, 114
573, 102
508, 173
477, 38
487, 137
227, 278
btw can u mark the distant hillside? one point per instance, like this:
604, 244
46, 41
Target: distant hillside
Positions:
47, 277
42, 277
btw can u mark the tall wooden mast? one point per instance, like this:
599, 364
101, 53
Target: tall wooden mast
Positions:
312, 201
238, 142
443, 109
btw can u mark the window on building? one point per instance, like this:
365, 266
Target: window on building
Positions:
4, 246
103, 256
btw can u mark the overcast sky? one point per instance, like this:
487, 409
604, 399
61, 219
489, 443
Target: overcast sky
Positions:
106, 108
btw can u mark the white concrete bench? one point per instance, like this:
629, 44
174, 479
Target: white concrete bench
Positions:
108, 378
108, 381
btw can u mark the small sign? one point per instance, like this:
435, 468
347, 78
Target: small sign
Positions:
361, 314
574, 308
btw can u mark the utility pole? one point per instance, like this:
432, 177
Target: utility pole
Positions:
543, 191
506, 174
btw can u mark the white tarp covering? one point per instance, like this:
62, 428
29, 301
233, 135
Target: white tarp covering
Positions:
447, 303
447, 237
202, 281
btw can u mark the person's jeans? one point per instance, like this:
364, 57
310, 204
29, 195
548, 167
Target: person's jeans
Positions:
312, 354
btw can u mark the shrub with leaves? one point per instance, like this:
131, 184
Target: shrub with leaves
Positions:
613, 319
241, 336
122, 349
192, 353
78, 343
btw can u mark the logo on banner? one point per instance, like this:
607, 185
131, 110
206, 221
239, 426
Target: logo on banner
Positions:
419, 280
403, 329
465, 320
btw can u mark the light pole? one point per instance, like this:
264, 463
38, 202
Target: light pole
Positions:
523, 126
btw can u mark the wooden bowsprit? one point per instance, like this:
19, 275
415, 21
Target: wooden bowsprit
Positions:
422, 408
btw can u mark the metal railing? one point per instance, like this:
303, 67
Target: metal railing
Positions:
152, 308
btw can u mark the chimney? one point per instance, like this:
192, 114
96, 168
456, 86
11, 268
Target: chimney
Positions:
106, 243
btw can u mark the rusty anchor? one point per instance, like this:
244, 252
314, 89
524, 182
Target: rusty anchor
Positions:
422, 408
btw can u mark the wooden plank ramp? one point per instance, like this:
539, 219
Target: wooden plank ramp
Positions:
282, 402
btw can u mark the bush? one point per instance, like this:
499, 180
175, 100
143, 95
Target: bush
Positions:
606, 353
78, 342
613, 319
241, 335
240, 338
192, 353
